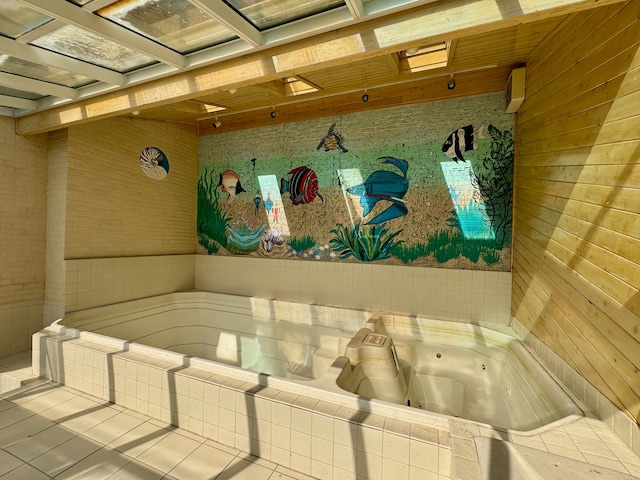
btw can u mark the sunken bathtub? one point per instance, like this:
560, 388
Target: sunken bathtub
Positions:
265, 376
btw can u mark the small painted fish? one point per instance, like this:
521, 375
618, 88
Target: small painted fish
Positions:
302, 186
230, 183
458, 142
257, 201
268, 203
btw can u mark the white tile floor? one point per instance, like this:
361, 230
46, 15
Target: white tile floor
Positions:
49, 431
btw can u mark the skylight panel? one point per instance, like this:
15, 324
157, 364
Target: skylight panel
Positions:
294, 86
12, 92
17, 19
177, 24
264, 14
24, 68
425, 58
78, 43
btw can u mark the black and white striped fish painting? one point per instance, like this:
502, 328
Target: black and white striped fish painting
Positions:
460, 141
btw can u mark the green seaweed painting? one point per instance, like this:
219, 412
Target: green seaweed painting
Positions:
495, 186
212, 221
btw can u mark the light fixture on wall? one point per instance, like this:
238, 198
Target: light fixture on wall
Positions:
452, 83
135, 112
216, 124
233, 90
365, 97
273, 114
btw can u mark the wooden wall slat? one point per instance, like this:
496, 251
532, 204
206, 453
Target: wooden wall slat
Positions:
623, 226
611, 175
576, 254
608, 154
625, 199
577, 199
579, 98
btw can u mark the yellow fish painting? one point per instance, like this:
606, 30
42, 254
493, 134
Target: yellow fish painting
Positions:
230, 183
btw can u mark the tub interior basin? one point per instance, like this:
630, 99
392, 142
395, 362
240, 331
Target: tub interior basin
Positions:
449, 368
472, 373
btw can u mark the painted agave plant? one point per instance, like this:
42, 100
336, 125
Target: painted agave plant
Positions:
367, 244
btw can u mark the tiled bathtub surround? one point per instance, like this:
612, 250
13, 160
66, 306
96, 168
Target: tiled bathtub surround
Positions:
103, 281
445, 294
303, 433
311, 436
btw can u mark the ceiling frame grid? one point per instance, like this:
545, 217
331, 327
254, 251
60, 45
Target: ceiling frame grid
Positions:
38, 79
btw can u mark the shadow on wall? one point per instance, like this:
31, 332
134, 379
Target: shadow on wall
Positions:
575, 270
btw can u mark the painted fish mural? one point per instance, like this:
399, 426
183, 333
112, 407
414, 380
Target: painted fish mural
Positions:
384, 185
459, 142
302, 186
332, 141
230, 183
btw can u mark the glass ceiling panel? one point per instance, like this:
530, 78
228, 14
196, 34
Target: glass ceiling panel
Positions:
17, 19
84, 45
177, 24
28, 69
265, 14
11, 92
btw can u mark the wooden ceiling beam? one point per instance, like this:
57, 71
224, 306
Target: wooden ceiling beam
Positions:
381, 36
426, 90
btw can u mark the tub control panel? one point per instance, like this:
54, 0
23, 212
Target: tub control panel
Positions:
374, 339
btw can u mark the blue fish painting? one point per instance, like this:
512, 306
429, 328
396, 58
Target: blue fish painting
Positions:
387, 186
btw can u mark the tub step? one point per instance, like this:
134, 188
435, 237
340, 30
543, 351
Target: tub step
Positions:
299, 373
15, 371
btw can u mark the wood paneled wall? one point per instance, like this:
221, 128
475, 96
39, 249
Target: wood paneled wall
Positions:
576, 269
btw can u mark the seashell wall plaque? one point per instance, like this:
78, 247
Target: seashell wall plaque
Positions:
154, 163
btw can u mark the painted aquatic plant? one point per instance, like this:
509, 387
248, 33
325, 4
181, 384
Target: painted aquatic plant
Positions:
446, 245
300, 244
212, 221
366, 244
495, 185
242, 238
409, 253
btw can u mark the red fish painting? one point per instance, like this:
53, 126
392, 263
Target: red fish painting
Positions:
230, 183
302, 186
